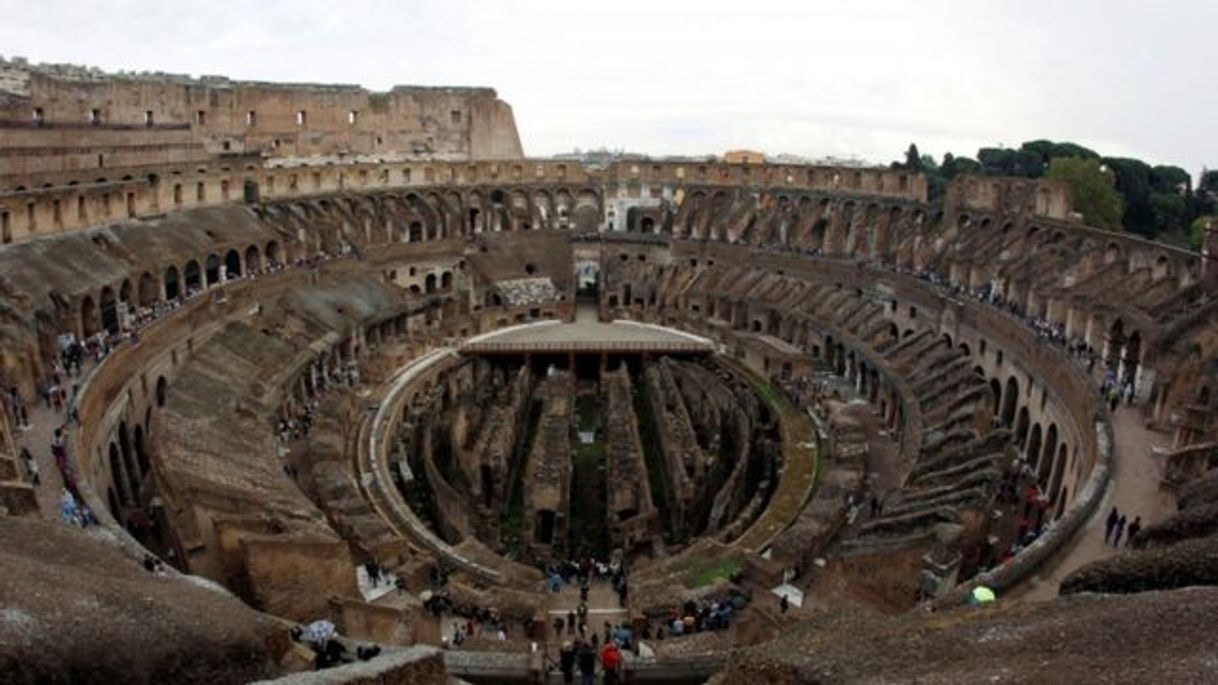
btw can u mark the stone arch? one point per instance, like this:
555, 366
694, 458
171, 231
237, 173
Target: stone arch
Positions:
133, 473
212, 269
193, 277
1021, 426
1131, 358
429, 284
1162, 268
232, 264
148, 293
88, 316
162, 387
172, 286
1010, 400
116, 476
587, 212
273, 257
1059, 469
141, 453
109, 310
1032, 449
253, 260
1049, 450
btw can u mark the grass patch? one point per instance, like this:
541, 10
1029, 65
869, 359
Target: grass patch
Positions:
703, 572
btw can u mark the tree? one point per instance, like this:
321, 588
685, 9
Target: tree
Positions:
913, 160
954, 166
1091, 187
1170, 179
1170, 212
1133, 183
1196, 233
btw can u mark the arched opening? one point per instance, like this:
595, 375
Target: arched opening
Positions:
193, 277
161, 388
148, 293
1033, 447
124, 292
253, 261
1009, 401
141, 457
213, 270
1021, 426
116, 475
1132, 357
446, 281
429, 284
272, 254
232, 264
416, 231
1045, 465
1061, 502
124, 448
647, 225
88, 316
172, 289
1116, 341
109, 310
1059, 469
995, 396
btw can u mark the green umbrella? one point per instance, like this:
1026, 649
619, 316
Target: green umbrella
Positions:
983, 595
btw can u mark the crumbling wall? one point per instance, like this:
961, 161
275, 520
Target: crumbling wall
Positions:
632, 514
548, 474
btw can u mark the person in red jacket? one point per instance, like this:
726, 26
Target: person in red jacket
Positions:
611, 661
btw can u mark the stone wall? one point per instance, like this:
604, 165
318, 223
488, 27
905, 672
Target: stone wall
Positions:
158, 119
411, 666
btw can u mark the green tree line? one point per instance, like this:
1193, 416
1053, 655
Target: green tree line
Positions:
1115, 193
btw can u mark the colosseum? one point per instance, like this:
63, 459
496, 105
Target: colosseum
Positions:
312, 384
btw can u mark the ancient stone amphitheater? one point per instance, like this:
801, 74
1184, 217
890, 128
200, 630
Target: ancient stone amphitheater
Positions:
286, 339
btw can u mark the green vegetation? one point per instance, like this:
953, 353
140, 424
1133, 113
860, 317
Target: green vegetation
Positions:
1154, 201
1196, 233
1093, 189
702, 571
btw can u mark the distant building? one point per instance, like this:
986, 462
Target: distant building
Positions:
744, 157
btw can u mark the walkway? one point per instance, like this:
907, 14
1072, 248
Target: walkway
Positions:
1134, 489
587, 336
37, 439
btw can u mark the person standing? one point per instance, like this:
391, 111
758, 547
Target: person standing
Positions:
1113, 517
611, 661
1133, 530
587, 664
31, 466
566, 662
1120, 530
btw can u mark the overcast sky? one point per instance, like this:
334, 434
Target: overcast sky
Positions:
843, 78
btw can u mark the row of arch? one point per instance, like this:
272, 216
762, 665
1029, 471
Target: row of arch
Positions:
105, 313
